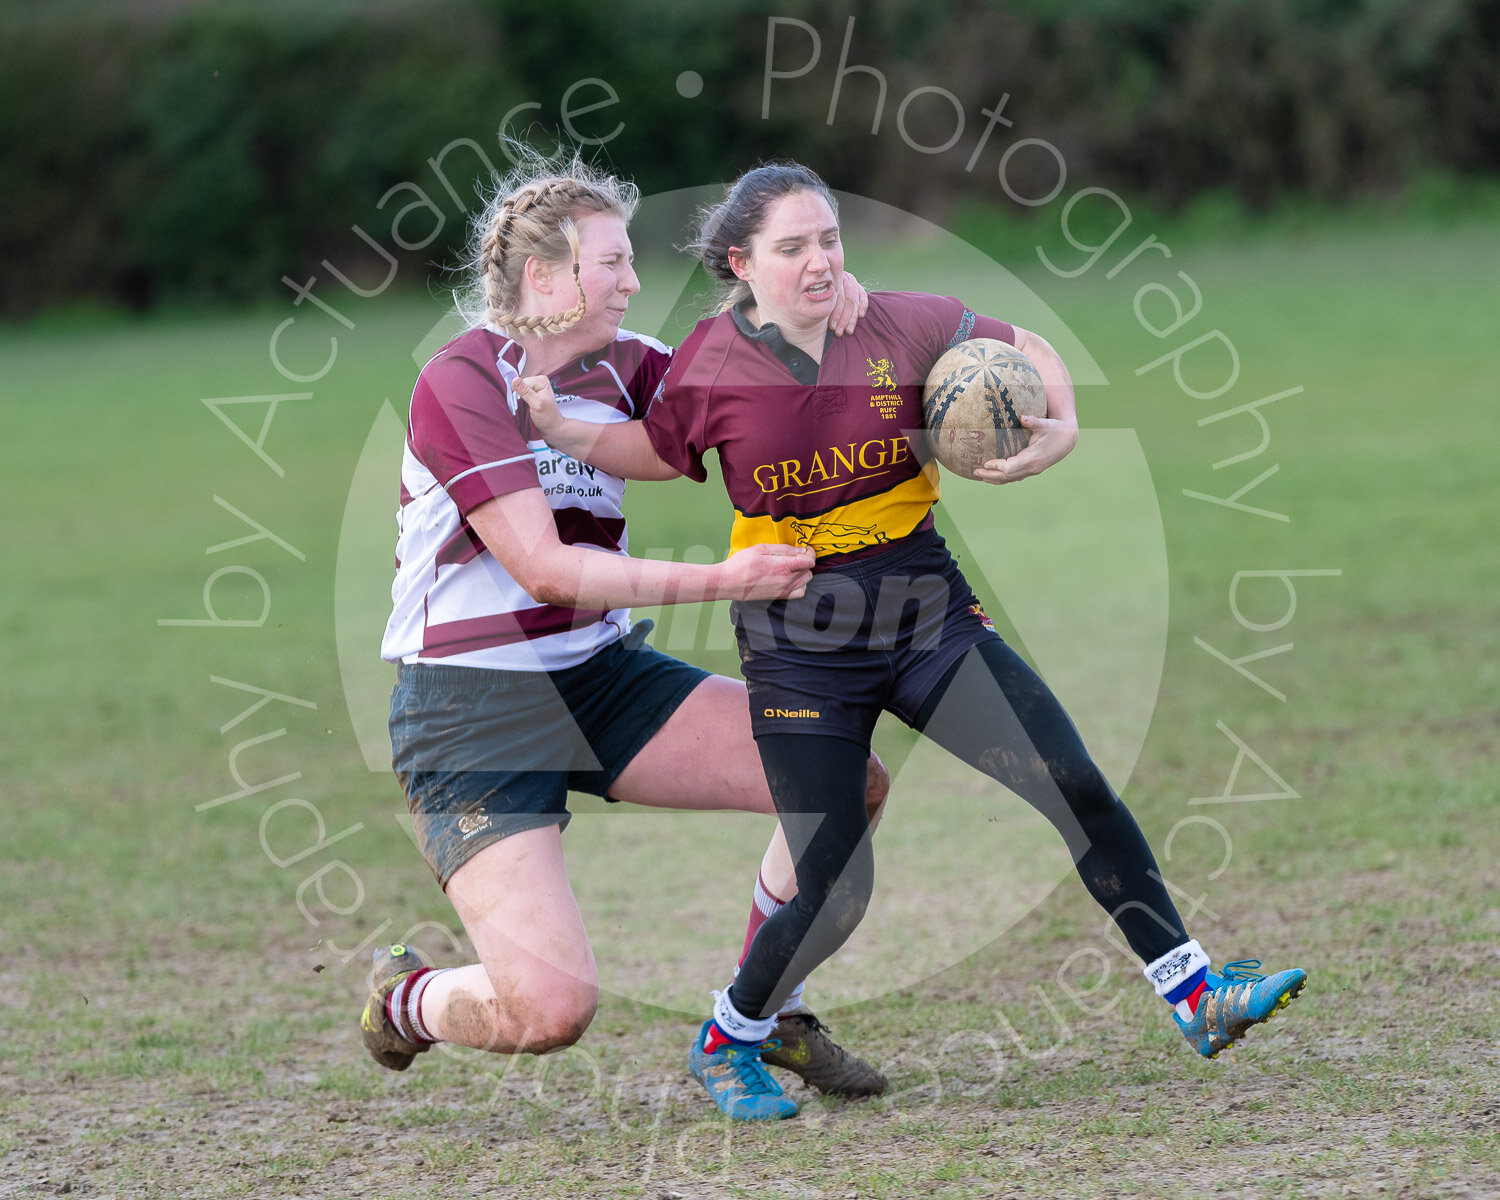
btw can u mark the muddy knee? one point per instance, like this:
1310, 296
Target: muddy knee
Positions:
555, 1019
522, 1020
565, 1025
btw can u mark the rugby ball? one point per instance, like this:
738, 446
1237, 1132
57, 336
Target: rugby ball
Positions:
973, 402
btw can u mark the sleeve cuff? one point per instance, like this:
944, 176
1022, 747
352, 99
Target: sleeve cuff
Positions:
473, 488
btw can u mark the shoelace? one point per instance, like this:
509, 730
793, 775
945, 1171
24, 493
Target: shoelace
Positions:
1241, 971
745, 1062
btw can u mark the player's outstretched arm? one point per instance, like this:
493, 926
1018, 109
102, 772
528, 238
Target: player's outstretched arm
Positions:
620, 448
1053, 436
519, 530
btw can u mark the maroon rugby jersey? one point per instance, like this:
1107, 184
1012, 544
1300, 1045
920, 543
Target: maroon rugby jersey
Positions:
469, 440
826, 464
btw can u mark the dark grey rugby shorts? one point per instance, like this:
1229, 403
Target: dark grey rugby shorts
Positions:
483, 754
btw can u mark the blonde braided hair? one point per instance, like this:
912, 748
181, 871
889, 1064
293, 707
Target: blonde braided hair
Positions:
531, 215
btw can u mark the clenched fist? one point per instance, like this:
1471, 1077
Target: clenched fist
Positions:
770, 571
535, 391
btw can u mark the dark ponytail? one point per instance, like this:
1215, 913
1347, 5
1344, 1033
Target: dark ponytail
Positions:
735, 220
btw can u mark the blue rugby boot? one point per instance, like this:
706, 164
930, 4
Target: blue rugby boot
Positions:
737, 1082
1236, 1000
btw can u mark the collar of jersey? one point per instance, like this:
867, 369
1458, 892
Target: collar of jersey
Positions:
803, 366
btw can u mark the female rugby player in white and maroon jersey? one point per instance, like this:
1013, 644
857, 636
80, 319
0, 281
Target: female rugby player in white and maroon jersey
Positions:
519, 674
811, 433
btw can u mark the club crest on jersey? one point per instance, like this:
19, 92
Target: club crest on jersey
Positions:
978, 611
882, 376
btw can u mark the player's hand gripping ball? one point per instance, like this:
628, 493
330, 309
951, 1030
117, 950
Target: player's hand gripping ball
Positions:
973, 403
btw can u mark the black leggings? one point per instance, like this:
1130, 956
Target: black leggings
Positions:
994, 712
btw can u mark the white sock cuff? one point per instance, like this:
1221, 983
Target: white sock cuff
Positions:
791, 1002
764, 901
1174, 967
736, 1024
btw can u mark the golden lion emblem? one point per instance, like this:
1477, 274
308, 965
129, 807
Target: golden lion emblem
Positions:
882, 374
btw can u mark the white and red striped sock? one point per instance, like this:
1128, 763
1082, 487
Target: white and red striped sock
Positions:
762, 905
404, 1005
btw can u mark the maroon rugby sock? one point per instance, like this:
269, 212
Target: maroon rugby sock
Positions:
762, 905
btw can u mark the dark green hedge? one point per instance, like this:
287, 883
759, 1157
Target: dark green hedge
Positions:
207, 152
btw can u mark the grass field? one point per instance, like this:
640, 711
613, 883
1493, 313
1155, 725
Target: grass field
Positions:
178, 1010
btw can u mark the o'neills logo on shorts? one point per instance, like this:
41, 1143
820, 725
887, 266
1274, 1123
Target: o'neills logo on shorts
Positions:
792, 712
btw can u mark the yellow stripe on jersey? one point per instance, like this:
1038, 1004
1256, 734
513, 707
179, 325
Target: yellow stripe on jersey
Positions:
870, 521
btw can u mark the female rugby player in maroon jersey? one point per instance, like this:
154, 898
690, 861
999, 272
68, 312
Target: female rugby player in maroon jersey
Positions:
811, 433
519, 676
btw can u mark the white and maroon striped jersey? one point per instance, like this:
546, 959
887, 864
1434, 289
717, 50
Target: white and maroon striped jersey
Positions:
468, 440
